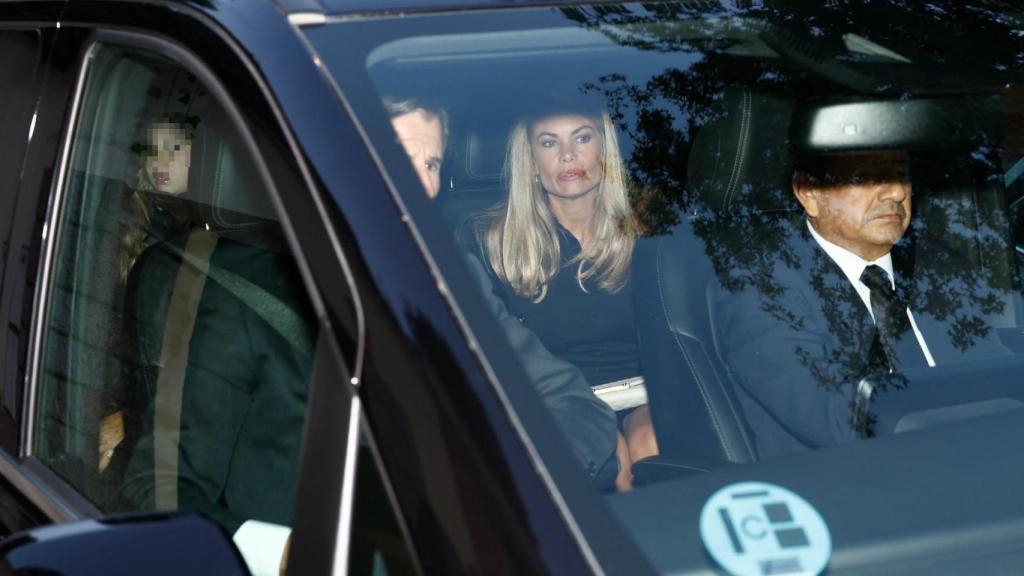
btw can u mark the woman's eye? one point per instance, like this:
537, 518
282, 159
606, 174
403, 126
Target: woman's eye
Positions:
584, 138
547, 143
433, 166
176, 147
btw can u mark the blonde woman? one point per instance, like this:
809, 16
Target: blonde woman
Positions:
560, 249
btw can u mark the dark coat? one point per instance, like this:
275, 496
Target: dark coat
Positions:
588, 423
797, 338
245, 388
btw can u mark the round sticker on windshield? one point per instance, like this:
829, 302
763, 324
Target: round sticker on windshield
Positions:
760, 529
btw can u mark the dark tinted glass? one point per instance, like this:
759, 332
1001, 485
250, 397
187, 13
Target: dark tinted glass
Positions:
177, 337
770, 154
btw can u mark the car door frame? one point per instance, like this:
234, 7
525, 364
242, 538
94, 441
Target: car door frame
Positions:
57, 500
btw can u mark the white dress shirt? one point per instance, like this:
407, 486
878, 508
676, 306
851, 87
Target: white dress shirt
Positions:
853, 266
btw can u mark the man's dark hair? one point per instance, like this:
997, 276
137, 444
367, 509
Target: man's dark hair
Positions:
829, 169
402, 106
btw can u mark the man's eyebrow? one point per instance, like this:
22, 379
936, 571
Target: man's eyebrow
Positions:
434, 159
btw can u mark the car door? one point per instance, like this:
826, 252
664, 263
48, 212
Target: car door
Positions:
27, 59
114, 255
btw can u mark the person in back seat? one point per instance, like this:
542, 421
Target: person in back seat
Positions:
587, 423
559, 252
222, 349
164, 149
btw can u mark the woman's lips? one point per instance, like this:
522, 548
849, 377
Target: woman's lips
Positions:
161, 178
570, 175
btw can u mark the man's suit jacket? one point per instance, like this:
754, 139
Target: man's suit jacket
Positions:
797, 338
587, 423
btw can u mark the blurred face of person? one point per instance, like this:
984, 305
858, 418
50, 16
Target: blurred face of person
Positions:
422, 137
568, 154
859, 202
167, 158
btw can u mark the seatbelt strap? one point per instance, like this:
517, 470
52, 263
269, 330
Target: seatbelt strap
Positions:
178, 328
281, 317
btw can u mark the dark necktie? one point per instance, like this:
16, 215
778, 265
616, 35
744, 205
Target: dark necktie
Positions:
897, 339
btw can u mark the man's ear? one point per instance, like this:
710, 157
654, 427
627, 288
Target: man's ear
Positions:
806, 194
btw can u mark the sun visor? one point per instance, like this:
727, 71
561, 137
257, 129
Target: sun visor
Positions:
923, 124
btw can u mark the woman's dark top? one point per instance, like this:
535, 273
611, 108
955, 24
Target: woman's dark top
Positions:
594, 330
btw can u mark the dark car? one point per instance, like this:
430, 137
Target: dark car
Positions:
244, 333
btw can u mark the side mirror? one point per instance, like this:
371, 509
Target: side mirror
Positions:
154, 544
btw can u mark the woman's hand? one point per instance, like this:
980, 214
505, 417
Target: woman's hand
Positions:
638, 443
624, 480
640, 438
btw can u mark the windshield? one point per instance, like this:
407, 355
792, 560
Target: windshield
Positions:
725, 242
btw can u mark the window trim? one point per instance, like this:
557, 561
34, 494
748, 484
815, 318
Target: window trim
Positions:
322, 516
51, 235
57, 498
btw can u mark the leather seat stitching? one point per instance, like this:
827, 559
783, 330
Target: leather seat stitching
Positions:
700, 386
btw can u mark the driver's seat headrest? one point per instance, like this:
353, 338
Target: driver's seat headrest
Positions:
740, 159
223, 178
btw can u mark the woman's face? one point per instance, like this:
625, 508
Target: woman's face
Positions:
168, 158
567, 151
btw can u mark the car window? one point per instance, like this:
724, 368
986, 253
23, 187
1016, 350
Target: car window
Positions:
752, 231
177, 336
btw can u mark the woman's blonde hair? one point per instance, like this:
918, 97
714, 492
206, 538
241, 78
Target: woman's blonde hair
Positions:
520, 236
135, 230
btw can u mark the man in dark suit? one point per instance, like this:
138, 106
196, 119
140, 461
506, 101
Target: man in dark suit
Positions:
823, 299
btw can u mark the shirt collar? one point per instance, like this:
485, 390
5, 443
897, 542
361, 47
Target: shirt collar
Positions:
851, 264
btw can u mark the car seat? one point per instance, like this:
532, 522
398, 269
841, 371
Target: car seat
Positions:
738, 171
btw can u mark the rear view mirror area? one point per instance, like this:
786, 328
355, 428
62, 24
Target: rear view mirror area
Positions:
961, 123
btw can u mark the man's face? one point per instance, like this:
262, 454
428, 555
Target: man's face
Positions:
860, 202
423, 140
